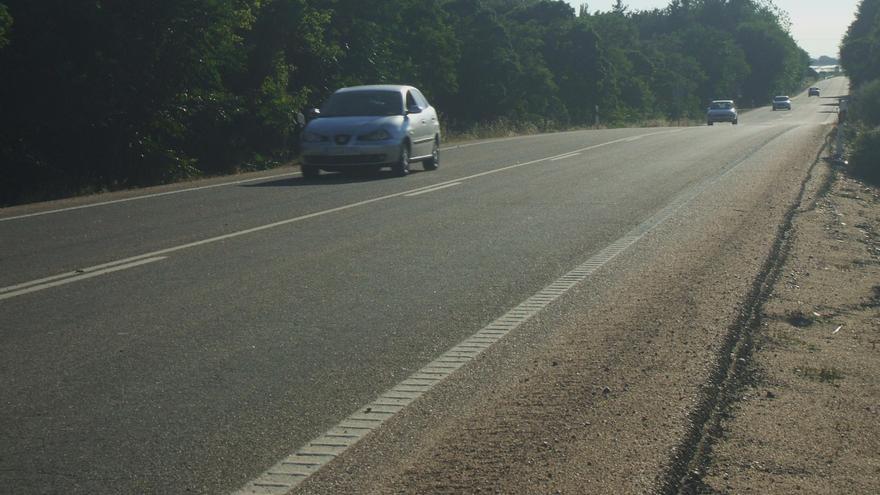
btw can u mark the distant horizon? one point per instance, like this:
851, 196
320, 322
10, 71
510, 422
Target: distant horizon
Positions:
818, 26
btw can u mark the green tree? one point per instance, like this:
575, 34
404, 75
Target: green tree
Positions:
487, 68
5, 25
860, 50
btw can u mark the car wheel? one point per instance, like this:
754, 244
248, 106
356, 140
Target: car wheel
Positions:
309, 171
709, 123
735, 121
433, 162
401, 168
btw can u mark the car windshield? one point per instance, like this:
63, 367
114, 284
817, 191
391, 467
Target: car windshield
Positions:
721, 105
780, 98
362, 103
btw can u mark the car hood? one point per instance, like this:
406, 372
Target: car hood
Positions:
354, 125
722, 110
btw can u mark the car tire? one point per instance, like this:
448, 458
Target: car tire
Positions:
434, 161
710, 123
735, 121
401, 168
310, 171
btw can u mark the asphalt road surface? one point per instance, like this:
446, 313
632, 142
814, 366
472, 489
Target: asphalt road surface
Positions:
186, 339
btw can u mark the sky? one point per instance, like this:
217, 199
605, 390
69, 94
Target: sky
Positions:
816, 25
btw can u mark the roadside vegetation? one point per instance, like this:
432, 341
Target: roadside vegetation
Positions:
108, 95
861, 62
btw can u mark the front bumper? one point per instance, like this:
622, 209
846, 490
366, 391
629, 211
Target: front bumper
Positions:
721, 117
352, 155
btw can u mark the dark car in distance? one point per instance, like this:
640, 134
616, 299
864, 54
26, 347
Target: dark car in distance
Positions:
780, 102
722, 111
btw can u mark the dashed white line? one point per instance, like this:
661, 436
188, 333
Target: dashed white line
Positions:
48, 282
570, 155
9, 292
147, 196
425, 191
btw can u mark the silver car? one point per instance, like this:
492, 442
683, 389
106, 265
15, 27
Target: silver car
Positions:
780, 102
371, 127
722, 111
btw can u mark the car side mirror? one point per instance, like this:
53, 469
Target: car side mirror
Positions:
413, 109
314, 113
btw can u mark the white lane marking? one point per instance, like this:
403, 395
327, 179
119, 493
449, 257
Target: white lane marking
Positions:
67, 274
485, 141
425, 191
84, 275
213, 186
316, 214
570, 155
147, 196
308, 459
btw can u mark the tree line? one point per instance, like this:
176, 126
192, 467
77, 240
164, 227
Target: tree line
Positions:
860, 58
103, 94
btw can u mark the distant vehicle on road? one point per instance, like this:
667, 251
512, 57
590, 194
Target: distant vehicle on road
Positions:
722, 111
370, 127
813, 92
780, 102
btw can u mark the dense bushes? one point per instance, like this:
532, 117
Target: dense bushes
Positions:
860, 58
866, 104
865, 155
98, 95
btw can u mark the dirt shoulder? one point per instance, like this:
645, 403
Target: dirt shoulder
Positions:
806, 416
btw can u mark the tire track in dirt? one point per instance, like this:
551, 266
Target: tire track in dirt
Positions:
730, 374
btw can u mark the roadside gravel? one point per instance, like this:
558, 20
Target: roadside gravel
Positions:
807, 413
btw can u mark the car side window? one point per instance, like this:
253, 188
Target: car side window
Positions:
411, 100
420, 99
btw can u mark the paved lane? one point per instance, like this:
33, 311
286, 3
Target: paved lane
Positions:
198, 370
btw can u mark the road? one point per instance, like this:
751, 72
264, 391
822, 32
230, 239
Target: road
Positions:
186, 340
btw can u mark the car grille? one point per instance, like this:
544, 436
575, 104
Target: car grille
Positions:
345, 159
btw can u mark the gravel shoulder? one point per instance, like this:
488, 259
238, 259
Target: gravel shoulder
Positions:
806, 416
694, 363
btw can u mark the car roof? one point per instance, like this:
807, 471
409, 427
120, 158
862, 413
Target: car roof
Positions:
780, 97
722, 101
398, 88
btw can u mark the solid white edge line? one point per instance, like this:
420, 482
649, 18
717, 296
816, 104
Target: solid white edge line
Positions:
83, 276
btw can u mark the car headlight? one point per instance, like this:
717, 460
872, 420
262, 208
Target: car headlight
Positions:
377, 135
311, 137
